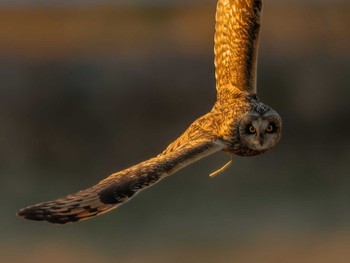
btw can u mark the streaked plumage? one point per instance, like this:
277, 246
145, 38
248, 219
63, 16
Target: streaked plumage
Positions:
238, 123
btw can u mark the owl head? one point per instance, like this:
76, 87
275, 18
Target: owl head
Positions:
260, 128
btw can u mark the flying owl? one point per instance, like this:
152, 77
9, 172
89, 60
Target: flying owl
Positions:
239, 124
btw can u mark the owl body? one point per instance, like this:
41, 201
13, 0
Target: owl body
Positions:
238, 110
239, 124
230, 120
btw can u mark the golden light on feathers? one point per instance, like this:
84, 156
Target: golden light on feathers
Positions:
225, 128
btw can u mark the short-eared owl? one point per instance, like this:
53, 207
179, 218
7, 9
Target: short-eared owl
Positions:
238, 123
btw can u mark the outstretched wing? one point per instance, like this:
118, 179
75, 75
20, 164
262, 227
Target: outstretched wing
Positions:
236, 40
119, 187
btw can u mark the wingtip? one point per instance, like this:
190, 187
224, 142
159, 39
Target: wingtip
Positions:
50, 214
22, 212
30, 213
36, 215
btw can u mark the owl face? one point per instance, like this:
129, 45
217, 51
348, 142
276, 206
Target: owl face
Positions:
260, 131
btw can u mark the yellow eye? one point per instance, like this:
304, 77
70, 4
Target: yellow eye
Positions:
252, 129
269, 128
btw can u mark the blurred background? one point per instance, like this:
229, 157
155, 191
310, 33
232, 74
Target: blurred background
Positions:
92, 87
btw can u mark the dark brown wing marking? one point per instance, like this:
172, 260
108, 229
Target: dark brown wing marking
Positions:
119, 187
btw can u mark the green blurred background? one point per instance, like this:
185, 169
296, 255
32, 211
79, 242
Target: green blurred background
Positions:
89, 89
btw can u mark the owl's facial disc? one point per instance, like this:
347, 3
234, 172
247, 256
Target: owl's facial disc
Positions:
261, 132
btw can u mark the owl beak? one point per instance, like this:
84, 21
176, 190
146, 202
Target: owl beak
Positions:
261, 139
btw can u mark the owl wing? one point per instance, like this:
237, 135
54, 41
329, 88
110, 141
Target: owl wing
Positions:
119, 187
236, 41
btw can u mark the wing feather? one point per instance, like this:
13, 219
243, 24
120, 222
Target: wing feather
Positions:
236, 40
119, 187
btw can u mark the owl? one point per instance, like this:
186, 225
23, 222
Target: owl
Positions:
239, 124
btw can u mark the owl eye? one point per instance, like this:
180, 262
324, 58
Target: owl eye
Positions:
270, 128
251, 129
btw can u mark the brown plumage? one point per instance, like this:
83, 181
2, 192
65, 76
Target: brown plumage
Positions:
238, 123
